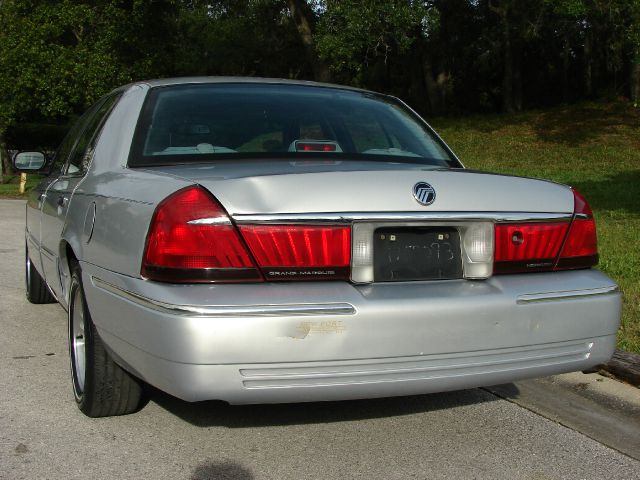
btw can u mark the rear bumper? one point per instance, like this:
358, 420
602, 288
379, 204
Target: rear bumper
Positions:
293, 342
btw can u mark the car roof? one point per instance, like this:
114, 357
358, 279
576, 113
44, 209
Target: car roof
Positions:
165, 82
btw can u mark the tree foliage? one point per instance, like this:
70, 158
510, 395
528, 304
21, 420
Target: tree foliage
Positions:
58, 56
236, 37
354, 35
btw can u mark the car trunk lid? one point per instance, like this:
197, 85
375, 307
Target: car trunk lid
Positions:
285, 187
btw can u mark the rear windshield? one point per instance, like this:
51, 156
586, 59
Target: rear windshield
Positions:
203, 123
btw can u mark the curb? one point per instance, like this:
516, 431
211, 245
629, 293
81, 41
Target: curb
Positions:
624, 366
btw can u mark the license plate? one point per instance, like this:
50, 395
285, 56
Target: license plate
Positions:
421, 253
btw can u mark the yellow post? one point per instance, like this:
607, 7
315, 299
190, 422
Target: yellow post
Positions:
23, 181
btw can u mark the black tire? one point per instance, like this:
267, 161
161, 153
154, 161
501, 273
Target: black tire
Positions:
100, 386
35, 286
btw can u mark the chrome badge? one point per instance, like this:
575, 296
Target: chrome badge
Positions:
424, 193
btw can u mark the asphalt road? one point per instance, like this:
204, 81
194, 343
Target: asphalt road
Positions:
458, 435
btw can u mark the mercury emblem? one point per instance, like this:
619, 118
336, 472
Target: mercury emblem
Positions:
424, 193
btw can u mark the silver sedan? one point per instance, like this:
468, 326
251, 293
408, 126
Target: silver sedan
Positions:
258, 241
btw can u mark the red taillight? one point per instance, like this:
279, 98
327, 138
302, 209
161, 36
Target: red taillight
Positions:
191, 239
287, 252
528, 247
580, 249
548, 246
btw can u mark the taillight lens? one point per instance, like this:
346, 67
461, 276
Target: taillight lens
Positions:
528, 247
580, 249
191, 239
300, 252
548, 246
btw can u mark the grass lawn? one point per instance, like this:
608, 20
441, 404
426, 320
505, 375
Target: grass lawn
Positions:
10, 188
593, 147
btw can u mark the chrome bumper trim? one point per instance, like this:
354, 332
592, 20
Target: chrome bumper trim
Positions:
566, 295
228, 310
350, 217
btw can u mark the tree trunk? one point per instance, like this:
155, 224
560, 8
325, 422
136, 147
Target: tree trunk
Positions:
431, 84
588, 75
442, 81
507, 75
5, 162
303, 19
417, 90
517, 82
507, 56
565, 70
635, 81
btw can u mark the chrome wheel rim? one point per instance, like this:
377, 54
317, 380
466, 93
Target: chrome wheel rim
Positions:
78, 342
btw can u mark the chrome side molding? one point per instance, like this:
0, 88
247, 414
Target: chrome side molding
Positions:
227, 310
350, 217
565, 295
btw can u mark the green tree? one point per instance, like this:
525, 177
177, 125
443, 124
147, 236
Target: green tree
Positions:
304, 16
238, 37
354, 35
57, 57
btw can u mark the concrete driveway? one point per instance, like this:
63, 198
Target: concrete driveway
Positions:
458, 435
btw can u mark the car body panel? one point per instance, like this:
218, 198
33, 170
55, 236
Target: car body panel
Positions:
234, 383
112, 152
54, 208
390, 323
285, 187
33, 220
389, 320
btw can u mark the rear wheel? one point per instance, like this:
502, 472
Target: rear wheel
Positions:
35, 286
100, 386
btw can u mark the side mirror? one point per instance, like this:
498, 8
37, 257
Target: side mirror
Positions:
29, 161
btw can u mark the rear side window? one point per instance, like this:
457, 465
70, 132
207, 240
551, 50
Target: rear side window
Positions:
66, 147
83, 152
206, 122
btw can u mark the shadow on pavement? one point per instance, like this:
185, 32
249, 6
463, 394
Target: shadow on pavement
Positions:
217, 413
220, 471
508, 391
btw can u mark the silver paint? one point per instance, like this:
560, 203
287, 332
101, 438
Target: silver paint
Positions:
566, 295
245, 342
248, 188
226, 311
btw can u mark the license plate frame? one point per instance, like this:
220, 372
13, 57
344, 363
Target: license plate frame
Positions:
402, 254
